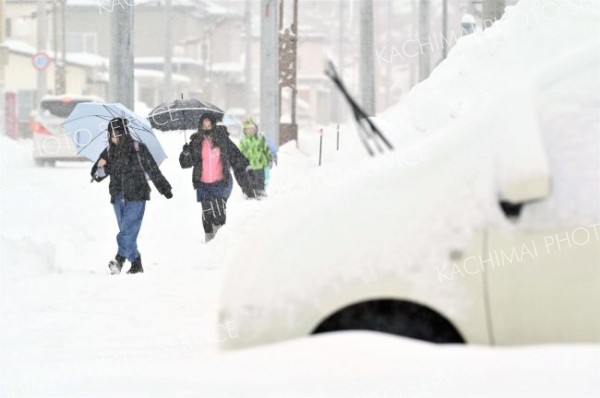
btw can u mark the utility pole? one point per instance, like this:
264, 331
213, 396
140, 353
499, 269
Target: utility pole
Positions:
269, 69
3, 62
59, 62
424, 41
444, 29
248, 71
492, 10
388, 70
168, 65
413, 35
42, 34
367, 57
121, 79
63, 47
336, 96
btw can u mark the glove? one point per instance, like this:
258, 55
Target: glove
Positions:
98, 174
168, 194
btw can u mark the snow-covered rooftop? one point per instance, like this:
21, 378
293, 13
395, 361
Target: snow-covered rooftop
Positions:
201, 8
81, 59
226, 67
160, 75
174, 60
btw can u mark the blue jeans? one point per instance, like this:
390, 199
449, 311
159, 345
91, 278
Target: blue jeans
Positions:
129, 217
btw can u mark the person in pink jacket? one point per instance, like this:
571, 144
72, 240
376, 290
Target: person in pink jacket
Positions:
211, 153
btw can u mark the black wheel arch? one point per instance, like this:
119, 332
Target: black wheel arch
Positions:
394, 316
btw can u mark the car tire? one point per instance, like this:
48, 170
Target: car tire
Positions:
400, 318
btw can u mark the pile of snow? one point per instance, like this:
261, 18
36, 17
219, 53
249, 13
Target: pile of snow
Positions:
14, 153
524, 76
505, 59
356, 365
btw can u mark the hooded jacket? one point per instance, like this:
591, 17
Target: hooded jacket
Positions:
127, 165
255, 147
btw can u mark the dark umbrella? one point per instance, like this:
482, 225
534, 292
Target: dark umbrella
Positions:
182, 114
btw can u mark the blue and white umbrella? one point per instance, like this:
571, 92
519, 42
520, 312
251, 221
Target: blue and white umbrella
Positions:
88, 125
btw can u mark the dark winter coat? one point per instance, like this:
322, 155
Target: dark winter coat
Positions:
127, 168
191, 156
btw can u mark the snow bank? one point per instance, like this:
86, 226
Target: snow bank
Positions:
525, 74
357, 365
14, 153
25, 257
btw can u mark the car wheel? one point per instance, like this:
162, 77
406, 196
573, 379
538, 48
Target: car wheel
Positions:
39, 162
401, 318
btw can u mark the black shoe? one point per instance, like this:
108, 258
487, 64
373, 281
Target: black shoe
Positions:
136, 266
116, 265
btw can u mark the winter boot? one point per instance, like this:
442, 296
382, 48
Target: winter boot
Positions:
136, 266
116, 265
208, 236
216, 229
261, 194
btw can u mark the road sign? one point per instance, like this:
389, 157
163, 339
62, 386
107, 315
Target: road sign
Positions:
40, 61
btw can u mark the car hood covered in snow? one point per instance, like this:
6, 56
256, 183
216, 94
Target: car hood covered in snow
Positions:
468, 137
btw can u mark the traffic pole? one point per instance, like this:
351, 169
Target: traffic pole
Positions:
320, 146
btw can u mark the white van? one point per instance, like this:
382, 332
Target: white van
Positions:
486, 240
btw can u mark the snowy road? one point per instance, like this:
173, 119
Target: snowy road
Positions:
58, 302
70, 330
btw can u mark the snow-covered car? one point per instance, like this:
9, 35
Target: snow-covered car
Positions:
51, 142
488, 235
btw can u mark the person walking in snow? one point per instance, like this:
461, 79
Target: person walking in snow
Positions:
211, 153
129, 164
254, 146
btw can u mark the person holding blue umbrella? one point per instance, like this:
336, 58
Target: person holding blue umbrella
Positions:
129, 164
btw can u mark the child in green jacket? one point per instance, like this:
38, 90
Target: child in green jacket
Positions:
255, 148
